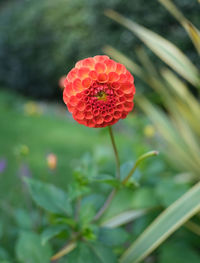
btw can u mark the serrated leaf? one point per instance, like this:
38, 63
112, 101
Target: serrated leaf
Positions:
49, 197
29, 249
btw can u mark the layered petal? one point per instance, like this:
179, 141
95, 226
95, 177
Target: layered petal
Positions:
99, 91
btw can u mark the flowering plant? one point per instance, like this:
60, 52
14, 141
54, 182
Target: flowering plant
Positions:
98, 92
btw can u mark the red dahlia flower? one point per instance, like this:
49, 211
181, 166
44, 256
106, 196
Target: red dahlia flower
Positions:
99, 91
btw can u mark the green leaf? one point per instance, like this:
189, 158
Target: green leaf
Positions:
29, 249
169, 191
145, 198
51, 232
164, 225
107, 179
96, 200
173, 252
164, 49
122, 211
3, 254
123, 218
49, 197
90, 253
192, 31
125, 168
142, 198
87, 213
113, 236
23, 219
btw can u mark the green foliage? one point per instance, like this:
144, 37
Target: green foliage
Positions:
23, 219
178, 253
169, 191
3, 254
164, 225
49, 197
113, 236
91, 252
178, 127
30, 249
178, 131
51, 232
86, 183
87, 213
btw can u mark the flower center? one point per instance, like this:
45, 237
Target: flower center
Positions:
101, 95
100, 99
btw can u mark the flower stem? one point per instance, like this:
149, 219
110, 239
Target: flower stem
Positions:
105, 205
139, 160
115, 152
113, 192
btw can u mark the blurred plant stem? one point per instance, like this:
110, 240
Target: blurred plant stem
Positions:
105, 205
71, 245
68, 248
139, 160
115, 152
114, 191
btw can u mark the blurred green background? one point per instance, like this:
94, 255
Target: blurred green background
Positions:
40, 41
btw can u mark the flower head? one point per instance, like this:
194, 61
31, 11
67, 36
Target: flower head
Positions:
52, 161
99, 91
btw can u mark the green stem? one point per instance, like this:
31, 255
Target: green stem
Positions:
105, 205
115, 152
139, 160
113, 192
64, 251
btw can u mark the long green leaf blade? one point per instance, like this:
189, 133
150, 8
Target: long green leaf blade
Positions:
163, 48
164, 225
192, 31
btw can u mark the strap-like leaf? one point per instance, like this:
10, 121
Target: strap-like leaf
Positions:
163, 226
192, 31
163, 48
